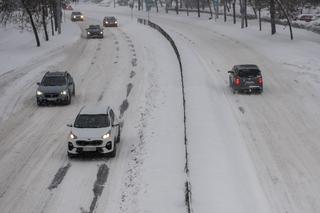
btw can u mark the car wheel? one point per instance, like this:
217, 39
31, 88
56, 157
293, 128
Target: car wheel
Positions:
118, 137
113, 153
69, 99
39, 102
70, 155
233, 91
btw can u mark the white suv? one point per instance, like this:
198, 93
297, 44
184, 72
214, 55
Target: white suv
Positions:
95, 130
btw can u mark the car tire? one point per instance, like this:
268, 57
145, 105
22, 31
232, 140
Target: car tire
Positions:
70, 155
74, 91
118, 137
69, 99
233, 91
113, 153
39, 102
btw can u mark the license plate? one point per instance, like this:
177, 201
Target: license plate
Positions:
51, 99
249, 82
89, 149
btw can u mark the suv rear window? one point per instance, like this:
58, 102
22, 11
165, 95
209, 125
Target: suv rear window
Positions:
249, 73
92, 121
54, 81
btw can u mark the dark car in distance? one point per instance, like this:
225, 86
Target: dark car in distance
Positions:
55, 87
246, 78
77, 16
94, 31
110, 21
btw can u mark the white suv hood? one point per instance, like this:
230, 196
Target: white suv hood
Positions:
91, 133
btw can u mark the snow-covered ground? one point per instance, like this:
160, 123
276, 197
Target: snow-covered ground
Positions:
248, 153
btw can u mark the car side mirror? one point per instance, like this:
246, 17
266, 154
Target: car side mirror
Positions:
38, 83
69, 125
230, 72
70, 83
114, 125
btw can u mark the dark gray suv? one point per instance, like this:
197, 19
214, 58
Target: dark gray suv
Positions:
246, 78
55, 87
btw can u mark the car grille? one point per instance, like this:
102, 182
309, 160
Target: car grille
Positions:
51, 95
89, 143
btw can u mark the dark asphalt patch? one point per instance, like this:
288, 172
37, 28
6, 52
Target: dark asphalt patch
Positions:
59, 177
98, 187
129, 88
123, 107
132, 74
116, 42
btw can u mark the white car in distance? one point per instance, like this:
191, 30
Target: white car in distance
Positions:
95, 130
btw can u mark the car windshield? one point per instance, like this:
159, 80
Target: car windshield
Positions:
76, 13
111, 18
249, 73
54, 81
92, 121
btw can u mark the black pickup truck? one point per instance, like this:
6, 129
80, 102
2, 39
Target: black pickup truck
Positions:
246, 78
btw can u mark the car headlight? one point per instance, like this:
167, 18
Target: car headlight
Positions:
106, 22
72, 136
105, 136
64, 92
39, 92
74, 17
101, 32
88, 33
81, 16
116, 22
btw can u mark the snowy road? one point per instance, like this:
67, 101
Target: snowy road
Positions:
248, 153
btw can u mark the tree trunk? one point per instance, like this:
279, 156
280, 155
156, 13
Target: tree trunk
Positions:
52, 25
210, 9
59, 16
259, 11
44, 23
272, 17
287, 17
198, 1
242, 13
234, 11
32, 22
156, 1
225, 10
177, 6
245, 13
253, 8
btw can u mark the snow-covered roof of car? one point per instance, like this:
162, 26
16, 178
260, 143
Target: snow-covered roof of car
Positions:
94, 109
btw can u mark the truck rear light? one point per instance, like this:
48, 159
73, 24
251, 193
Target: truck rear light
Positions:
237, 81
260, 81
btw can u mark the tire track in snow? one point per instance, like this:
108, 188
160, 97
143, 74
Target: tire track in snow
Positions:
98, 187
61, 173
